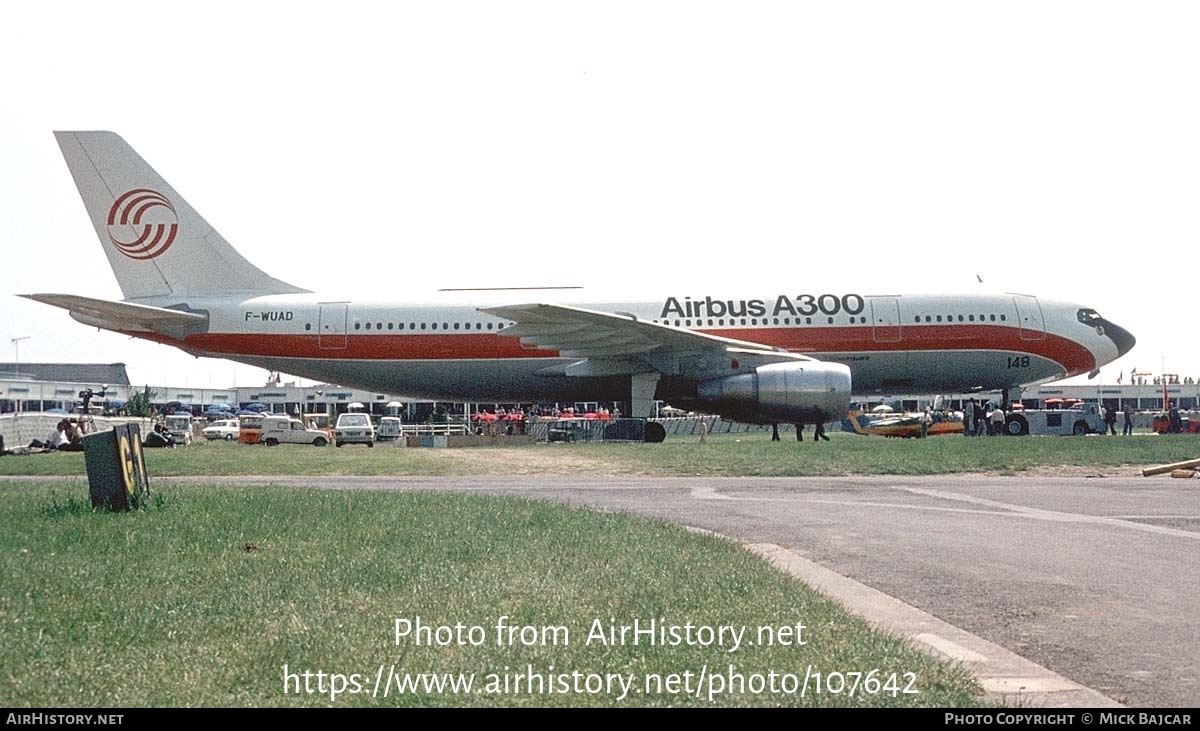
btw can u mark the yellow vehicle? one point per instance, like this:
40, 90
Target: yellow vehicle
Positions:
250, 429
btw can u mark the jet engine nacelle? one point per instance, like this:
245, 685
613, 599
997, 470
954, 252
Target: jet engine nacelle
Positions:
797, 393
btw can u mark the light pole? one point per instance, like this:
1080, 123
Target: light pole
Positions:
16, 343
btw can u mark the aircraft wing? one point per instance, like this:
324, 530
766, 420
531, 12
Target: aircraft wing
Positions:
625, 344
125, 316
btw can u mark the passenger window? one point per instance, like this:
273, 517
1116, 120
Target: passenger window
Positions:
939, 318
422, 326
1002, 317
357, 326
308, 326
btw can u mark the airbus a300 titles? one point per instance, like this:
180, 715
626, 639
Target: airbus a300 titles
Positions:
788, 354
801, 304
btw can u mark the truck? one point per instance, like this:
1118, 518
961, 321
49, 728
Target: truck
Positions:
1078, 420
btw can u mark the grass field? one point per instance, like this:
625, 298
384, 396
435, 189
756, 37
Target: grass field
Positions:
726, 455
202, 598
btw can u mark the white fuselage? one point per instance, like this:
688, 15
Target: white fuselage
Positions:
893, 344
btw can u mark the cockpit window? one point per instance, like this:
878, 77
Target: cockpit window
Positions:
1089, 317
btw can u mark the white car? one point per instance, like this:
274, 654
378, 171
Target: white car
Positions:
354, 428
227, 430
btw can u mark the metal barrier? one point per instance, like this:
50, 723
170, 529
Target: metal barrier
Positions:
436, 430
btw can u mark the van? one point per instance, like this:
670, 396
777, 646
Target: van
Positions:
180, 427
286, 430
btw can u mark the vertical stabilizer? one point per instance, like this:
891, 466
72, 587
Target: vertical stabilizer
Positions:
156, 243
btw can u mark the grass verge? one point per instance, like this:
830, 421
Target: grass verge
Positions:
202, 599
727, 455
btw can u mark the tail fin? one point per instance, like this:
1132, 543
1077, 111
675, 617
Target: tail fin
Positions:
156, 243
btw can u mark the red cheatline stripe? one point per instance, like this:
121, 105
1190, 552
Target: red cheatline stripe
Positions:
454, 346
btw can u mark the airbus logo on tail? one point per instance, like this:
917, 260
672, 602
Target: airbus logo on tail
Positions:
151, 217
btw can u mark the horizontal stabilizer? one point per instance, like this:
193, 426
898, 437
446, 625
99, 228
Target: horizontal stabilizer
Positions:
126, 316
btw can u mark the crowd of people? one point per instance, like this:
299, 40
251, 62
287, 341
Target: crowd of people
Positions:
67, 437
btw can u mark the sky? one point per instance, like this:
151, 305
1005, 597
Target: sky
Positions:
638, 149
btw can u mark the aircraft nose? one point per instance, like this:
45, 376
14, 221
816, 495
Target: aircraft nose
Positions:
1121, 337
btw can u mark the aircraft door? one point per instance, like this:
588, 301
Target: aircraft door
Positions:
885, 319
331, 333
1029, 317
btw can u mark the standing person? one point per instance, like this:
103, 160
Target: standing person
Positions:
980, 419
1110, 421
1174, 422
997, 421
1127, 427
703, 429
774, 432
968, 414
820, 432
926, 420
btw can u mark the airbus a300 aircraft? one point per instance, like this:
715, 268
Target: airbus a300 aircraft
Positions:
782, 355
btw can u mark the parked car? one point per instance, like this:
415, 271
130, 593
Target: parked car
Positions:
286, 430
389, 428
354, 428
227, 430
